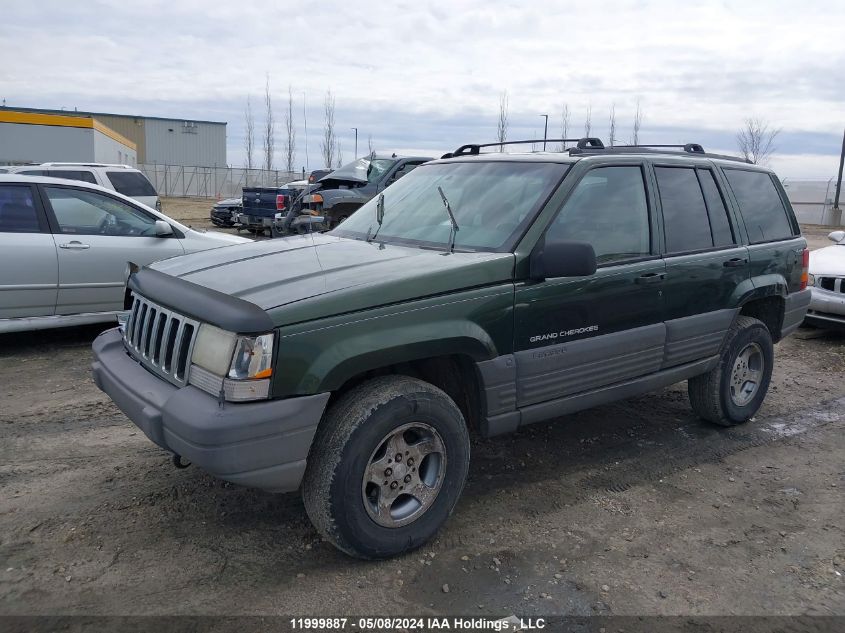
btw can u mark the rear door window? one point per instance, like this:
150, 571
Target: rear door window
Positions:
131, 183
17, 210
761, 205
684, 212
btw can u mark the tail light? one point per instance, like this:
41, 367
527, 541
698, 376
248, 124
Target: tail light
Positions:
805, 268
280, 202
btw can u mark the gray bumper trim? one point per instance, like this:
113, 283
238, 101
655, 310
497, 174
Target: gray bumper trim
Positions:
262, 445
794, 311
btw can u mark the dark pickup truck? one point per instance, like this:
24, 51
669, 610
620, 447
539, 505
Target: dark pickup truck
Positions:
344, 191
262, 205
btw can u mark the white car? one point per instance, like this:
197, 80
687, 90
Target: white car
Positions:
120, 178
827, 284
64, 248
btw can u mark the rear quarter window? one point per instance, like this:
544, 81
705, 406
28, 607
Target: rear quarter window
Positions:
131, 183
762, 208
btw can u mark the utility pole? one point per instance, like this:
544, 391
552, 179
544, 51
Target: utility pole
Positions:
356, 140
545, 130
837, 212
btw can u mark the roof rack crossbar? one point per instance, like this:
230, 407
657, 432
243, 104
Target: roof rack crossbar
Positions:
473, 149
692, 148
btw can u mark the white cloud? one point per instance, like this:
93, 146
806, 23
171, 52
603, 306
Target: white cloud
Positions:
403, 67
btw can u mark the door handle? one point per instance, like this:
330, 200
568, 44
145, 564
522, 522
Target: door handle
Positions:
735, 262
76, 246
650, 278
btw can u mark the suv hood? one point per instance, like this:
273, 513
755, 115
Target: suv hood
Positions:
313, 276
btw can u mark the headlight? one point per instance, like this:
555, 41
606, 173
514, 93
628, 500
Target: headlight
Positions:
811, 280
253, 358
238, 367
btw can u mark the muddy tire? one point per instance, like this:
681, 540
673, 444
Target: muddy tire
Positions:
732, 392
386, 467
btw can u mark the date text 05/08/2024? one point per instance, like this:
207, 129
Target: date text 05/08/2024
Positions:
512, 623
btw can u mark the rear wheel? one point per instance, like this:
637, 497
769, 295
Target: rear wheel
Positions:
732, 392
387, 466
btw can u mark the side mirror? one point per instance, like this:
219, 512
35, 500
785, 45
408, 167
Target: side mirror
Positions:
562, 258
163, 229
836, 236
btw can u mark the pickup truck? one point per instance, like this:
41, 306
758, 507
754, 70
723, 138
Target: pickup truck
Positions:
344, 191
262, 205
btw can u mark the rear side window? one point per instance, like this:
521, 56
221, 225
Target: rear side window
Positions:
684, 211
69, 174
131, 183
607, 209
17, 210
761, 206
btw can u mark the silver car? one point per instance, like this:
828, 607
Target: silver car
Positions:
64, 248
827, 283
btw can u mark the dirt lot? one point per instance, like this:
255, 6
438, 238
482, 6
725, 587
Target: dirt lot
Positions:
632, 508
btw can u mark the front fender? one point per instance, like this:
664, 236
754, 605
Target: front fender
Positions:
478, 324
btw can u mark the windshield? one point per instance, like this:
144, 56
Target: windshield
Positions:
492, 203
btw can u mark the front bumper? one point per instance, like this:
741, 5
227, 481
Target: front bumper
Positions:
826, 308
262, 445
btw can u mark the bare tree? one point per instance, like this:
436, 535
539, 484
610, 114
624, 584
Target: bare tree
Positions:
329, 143
269, 128
290, 134
502, 126
339, 154
564, 125
305, 122
638, 122
588, 120
370, 143
756, 140
249, 138
612, 126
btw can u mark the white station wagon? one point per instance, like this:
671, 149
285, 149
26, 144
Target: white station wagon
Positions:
64, 248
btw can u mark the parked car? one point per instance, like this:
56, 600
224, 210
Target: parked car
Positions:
225, 212
261, 205
123, 179
343, 191
485, 291
315, 175
827, 284
64, 248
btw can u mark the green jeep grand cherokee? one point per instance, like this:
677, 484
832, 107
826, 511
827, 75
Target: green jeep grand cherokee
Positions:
483, 290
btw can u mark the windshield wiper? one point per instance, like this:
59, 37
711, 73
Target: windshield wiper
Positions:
453, 230
379, 217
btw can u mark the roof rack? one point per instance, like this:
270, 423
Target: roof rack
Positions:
55, 164
688, 148
474, 149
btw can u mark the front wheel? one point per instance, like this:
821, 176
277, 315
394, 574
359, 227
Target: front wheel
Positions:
386, 468
732, 392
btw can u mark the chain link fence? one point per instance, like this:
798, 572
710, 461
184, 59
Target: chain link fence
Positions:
180, 181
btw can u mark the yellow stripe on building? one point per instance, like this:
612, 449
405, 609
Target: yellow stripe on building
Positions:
105, 129
58, 120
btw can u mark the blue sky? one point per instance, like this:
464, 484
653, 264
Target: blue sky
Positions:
427, 76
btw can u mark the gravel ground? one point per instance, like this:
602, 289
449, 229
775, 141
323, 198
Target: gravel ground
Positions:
633, 508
